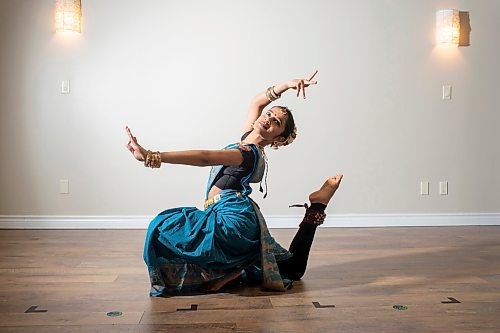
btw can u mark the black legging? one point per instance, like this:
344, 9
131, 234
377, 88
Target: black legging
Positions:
295, 267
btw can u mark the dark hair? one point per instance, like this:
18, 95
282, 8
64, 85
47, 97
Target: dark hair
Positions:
290, 123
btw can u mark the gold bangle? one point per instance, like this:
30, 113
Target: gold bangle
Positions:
153, 159
275, 95
147, 160
271, 94
156, 160
268, 94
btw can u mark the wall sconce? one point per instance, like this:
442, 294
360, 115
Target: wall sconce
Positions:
448, 26
69, 15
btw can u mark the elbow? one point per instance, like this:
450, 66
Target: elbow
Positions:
256, 103
205, 159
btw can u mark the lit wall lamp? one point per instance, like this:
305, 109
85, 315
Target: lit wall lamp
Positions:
448, 26
69, 15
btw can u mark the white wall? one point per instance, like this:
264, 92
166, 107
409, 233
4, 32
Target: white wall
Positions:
181, 75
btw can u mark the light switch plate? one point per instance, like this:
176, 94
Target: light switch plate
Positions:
424, 188
443, 188
65, 87
63, 186
446, 92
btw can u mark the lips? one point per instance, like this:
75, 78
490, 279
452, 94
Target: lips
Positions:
263, 125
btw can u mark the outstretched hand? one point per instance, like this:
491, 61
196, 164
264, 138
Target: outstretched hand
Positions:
134, 147
301, 84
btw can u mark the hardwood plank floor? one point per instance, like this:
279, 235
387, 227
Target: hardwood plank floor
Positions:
447, 277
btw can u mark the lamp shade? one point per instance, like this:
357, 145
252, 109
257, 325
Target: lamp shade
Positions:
448, 26
68, 15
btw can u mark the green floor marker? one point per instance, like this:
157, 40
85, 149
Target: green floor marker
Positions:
400, 307
114, 314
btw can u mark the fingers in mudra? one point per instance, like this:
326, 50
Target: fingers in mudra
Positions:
129, 147
299, 86
303, 83
312, 76
127, 129
133, 146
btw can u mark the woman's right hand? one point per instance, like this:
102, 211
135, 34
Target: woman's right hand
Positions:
134, 147
301, 84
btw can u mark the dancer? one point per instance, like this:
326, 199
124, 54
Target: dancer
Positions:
188, 249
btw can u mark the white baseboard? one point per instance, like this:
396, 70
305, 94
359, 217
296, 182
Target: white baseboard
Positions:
273, 221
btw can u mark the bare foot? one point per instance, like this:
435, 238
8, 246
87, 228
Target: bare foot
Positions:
326, 192
218, 284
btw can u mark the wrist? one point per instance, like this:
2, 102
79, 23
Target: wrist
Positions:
281, 88
152, 159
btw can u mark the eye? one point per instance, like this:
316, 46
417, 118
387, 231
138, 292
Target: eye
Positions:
277, 122
268, 113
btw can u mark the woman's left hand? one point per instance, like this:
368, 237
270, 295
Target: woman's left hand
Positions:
301, 84
134, 147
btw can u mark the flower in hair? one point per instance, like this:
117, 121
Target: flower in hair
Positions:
291, 137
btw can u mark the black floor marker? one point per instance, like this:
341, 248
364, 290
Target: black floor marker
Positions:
194, 307
32, 309
319, 306
451, 300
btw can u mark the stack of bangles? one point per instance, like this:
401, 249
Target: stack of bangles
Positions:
271, 94
153, 159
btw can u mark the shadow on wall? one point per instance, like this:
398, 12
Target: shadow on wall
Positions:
465, 29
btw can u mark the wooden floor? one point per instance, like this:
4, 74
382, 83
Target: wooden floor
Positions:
69, 280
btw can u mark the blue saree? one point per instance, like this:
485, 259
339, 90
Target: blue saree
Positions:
187, 248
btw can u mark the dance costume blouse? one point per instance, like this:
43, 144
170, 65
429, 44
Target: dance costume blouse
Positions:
230, 176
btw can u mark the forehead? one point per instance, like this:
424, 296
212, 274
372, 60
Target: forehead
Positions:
279, 113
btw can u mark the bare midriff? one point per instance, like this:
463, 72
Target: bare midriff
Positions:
213, 192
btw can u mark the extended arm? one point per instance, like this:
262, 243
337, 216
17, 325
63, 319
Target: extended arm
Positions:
260, 101
188, 157
203, 157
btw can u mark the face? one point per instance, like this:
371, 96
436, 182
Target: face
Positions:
271, 123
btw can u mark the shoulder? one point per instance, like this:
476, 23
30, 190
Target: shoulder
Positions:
245, 146
249, 151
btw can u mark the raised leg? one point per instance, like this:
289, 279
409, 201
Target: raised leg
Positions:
295, 267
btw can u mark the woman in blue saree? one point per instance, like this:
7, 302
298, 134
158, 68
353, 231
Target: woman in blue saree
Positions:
188, 249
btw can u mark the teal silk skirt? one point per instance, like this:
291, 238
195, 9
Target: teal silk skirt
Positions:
187, 248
